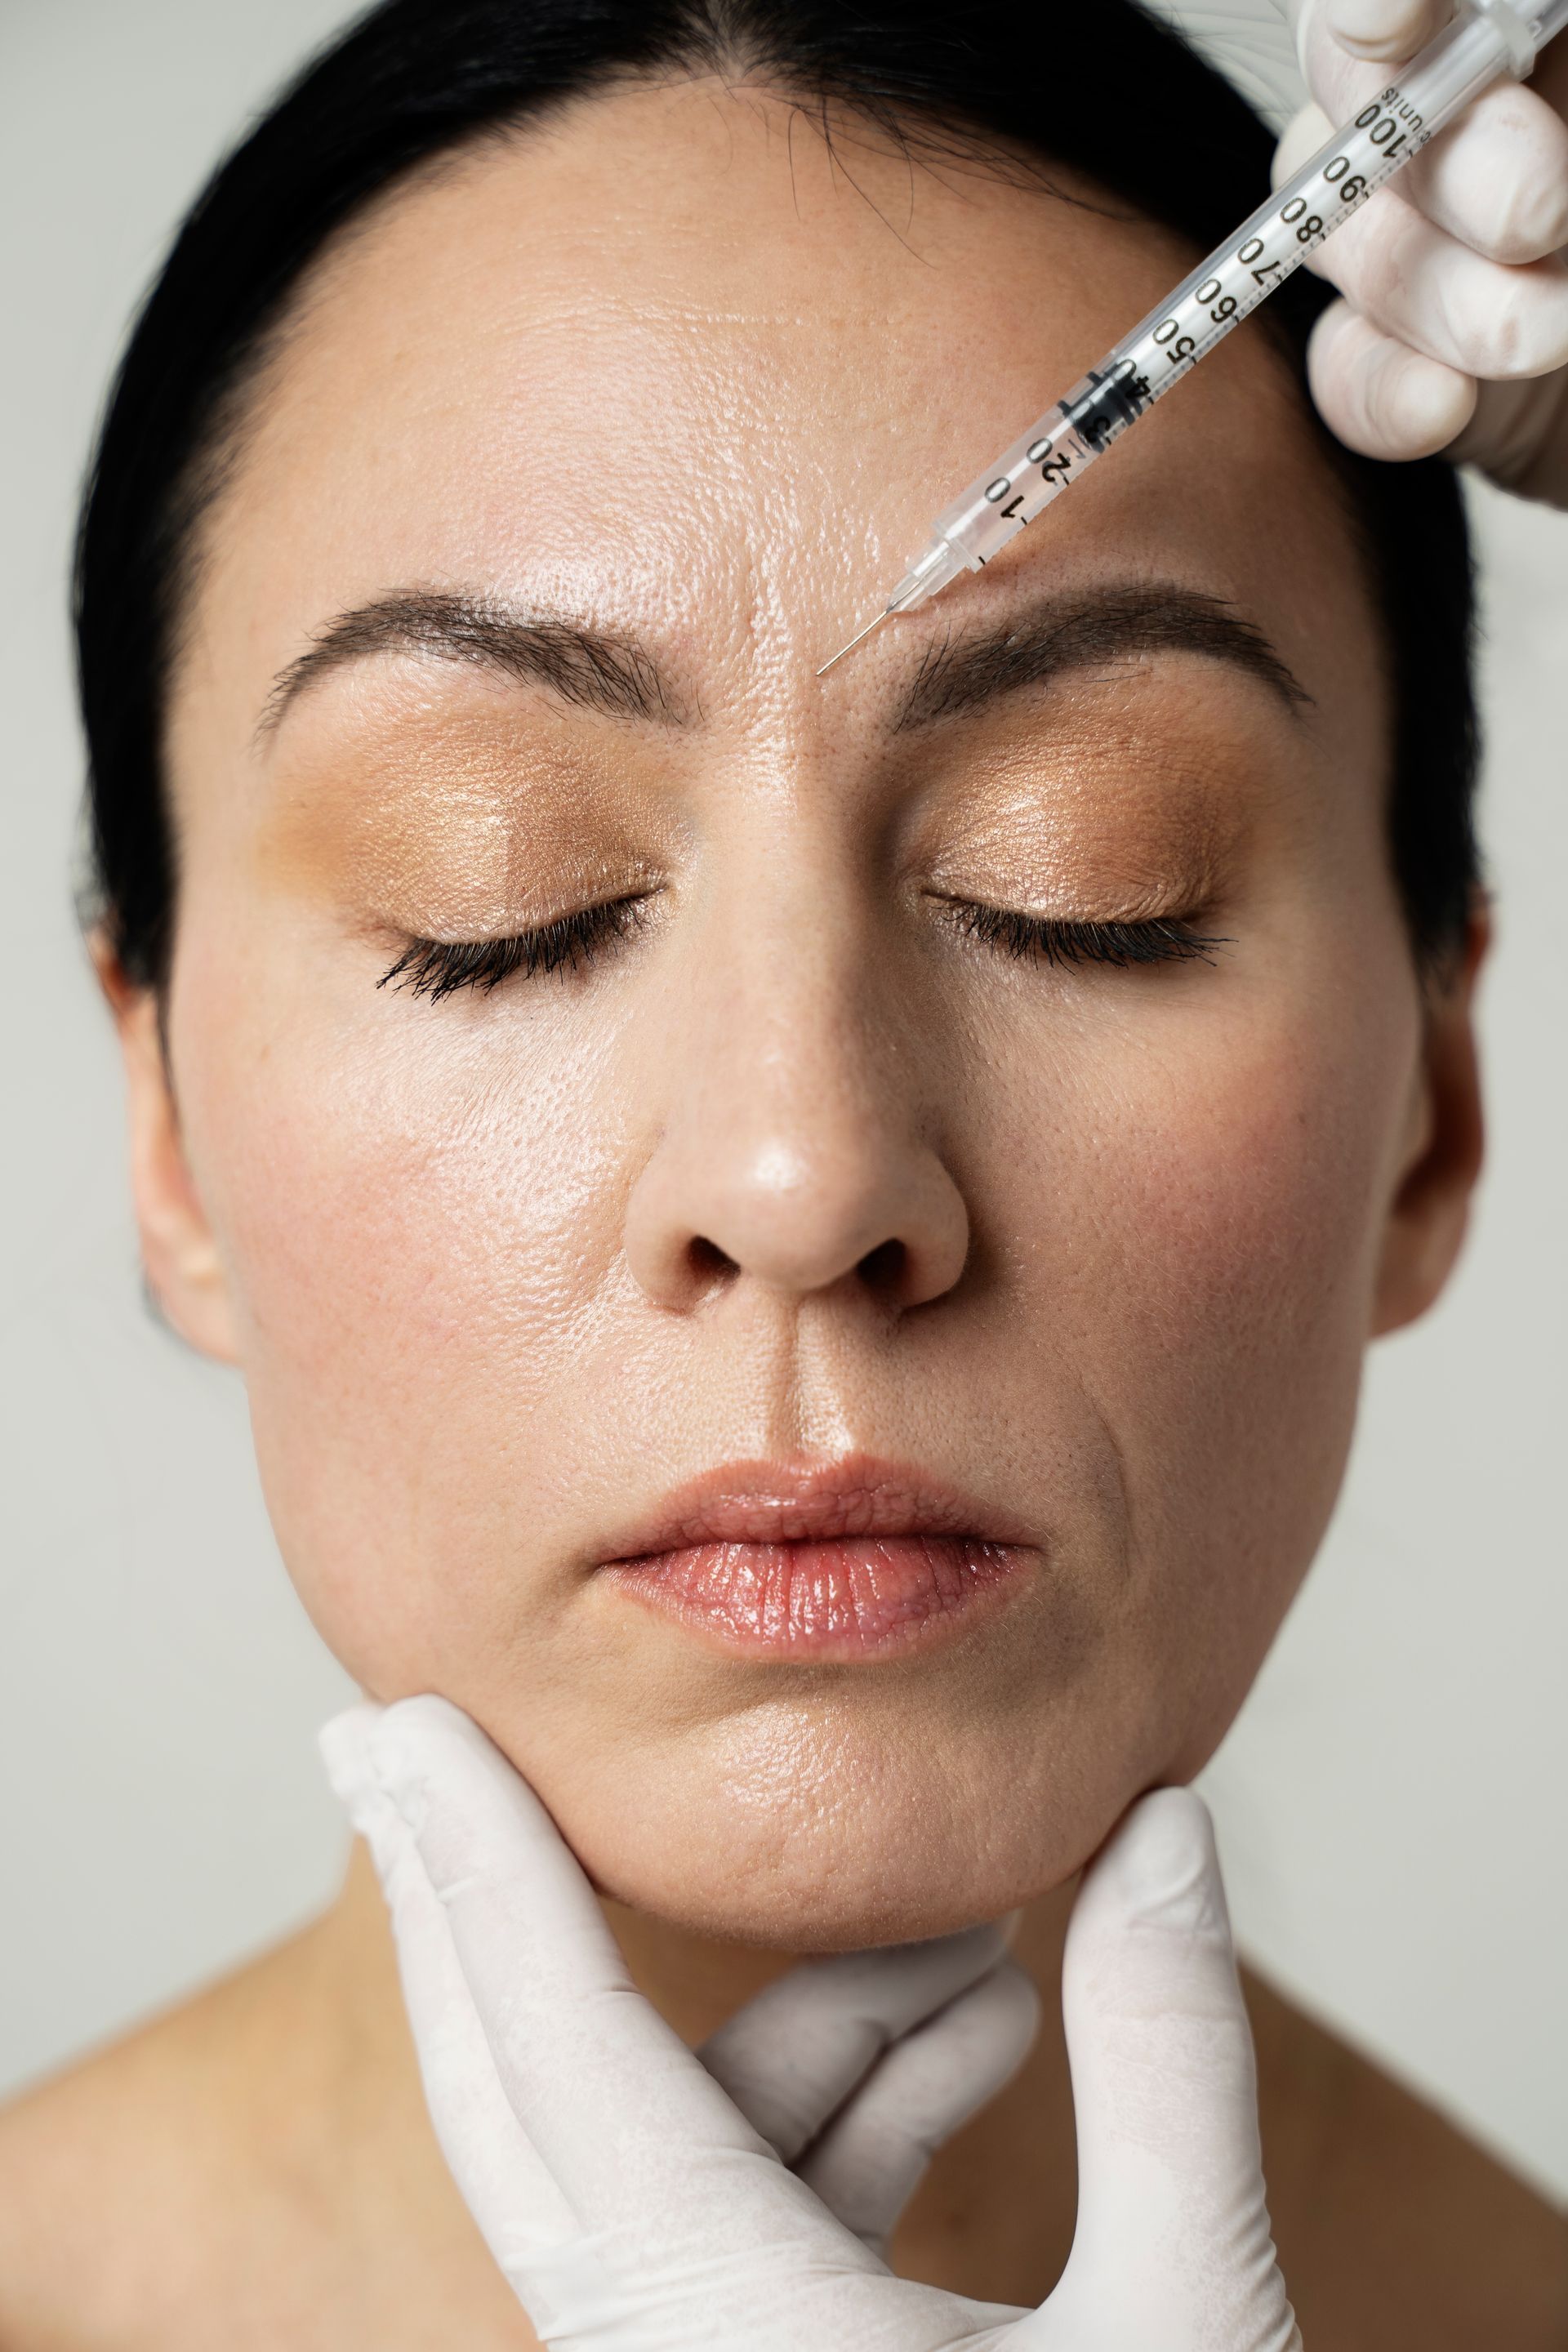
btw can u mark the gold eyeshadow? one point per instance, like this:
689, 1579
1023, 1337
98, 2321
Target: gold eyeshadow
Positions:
456, 827
1095, 833
468, 818
1040, 849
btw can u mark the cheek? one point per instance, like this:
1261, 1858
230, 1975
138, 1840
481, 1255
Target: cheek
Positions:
1177, 1196
1200, 1247
421, 1219
1231, 1191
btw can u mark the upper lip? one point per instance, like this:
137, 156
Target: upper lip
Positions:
792, 1501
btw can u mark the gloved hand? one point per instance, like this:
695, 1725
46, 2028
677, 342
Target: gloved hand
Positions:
1453, 335
640, 2199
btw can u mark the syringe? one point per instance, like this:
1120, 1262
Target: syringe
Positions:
1487, 38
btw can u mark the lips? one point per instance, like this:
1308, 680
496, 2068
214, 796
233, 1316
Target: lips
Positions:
852, 1561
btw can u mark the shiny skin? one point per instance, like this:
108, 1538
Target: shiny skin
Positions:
797, 1170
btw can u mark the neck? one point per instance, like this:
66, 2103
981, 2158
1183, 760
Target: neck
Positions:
994, 2216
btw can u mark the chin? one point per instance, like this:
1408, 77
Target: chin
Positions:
850, 1899
843, 1844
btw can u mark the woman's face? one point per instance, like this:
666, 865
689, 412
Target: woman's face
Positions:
808, 1196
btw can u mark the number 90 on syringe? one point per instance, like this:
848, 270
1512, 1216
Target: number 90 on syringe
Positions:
1278, 238
1201, 311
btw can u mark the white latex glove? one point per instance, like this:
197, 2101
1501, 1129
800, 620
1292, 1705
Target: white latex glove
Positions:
635, 2208
1453, 335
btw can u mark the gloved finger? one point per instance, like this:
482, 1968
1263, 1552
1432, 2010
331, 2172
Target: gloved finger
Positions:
1379, 396
1384, 29
1420, 285
1538, 228
871, 2159
1172, 2244
518, 2207
791, 2056
1496, 179
656, 2163
1306, 131
1508, 216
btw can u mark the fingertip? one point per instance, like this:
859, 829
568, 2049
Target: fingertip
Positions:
1378, 397
344, 1746
1497, 178
1018, 2006
987, 2033
1384, 29
868, 2162
1162, 1865
424, 1714
1299, 142
975, 1948
421, 1740
347, 1744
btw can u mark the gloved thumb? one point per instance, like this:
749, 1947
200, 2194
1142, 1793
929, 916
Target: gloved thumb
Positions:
1172, 2244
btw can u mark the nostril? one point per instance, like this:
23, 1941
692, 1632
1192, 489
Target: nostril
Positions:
883, 1268
709, 1263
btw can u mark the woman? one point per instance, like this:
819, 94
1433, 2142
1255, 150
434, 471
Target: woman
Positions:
801, 1249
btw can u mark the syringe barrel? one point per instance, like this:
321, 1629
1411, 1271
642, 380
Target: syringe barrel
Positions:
1359, 159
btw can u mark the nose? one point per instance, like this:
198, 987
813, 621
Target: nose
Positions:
790, 1157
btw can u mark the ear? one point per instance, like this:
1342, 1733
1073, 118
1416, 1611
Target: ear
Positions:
1442, 1156
181, 1257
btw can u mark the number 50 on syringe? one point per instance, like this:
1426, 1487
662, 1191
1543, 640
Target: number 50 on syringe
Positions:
1488, 39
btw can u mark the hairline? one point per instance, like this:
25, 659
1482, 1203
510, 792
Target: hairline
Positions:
234, 414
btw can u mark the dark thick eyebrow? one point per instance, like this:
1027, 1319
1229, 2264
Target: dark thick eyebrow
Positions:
594, 669
1082, 631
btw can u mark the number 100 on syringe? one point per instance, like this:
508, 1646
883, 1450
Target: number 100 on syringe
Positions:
1203, 310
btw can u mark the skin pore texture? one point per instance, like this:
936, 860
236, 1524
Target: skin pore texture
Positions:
800, 1169
606, 435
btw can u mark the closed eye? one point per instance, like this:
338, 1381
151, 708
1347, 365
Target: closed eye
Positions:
439, 967
1046, 939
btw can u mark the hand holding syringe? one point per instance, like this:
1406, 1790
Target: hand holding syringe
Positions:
1489, 38
1452, 334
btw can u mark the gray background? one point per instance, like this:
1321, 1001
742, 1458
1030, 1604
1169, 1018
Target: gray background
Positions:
1391, 1802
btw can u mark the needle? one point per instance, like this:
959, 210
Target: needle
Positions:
849, 648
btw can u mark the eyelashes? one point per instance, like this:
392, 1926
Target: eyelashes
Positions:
1045, 939
440, 968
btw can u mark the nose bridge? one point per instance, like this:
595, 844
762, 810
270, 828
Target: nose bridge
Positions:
796, 1040
795, 1149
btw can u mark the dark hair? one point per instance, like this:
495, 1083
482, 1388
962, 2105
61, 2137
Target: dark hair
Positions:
415, 78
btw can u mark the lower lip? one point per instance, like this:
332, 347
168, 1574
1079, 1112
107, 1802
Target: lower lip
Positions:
832, 1601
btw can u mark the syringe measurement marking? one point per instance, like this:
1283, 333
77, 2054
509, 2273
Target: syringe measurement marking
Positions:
1238, 284
1351, 189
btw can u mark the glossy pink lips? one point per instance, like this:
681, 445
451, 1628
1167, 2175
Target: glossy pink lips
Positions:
828, 1565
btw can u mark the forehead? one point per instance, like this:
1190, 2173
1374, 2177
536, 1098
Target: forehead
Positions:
673, 357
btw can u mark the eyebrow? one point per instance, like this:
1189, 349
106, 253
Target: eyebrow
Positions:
1082, 632
610, 672
592, 669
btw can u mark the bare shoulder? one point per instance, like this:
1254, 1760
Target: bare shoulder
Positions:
236, 2172
1396, 2233
122, 2179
